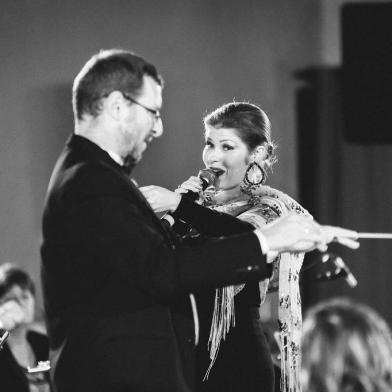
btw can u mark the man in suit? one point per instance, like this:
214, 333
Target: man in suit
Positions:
113, 277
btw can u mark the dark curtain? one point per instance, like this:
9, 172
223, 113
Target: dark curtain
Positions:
344, 184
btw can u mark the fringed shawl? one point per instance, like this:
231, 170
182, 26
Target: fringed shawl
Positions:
264, 206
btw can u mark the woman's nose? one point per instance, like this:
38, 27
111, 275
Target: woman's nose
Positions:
213, 156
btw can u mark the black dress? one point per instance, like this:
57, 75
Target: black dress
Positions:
243, 363
14, 378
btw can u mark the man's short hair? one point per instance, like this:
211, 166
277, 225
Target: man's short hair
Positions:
108, 71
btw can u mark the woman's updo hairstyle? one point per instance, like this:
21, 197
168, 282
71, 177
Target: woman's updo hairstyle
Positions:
250, 122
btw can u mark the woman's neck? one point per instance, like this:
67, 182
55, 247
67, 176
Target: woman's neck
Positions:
20, 347
229, 195
18, 334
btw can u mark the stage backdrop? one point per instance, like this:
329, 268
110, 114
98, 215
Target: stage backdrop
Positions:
345, 183
209, 52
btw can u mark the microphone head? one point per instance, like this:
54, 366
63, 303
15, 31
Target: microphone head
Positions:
208, 177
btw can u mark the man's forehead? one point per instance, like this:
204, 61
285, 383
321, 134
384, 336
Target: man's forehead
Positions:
151, 92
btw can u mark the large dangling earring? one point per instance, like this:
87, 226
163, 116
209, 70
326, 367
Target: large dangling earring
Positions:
254, 177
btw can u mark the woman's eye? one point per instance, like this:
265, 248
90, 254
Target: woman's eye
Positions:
208, 144
226, 147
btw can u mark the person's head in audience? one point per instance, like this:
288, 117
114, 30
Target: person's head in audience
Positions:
346, 347
17, 297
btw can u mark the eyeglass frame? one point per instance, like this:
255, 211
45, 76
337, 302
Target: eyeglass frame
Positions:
155, 113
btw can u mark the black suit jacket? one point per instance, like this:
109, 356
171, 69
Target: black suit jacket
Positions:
114, 279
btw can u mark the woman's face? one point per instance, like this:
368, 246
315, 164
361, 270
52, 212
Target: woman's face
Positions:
227, 155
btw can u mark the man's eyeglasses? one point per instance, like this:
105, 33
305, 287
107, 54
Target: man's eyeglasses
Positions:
156, 113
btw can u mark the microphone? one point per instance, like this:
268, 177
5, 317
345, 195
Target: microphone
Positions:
3, 337
341, 271
348, 275
208, 178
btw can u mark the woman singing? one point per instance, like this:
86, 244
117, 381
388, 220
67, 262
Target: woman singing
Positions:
232, 354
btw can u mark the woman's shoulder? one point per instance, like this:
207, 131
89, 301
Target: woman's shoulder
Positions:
274, 203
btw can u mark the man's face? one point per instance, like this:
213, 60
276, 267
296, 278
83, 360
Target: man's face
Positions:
140, 125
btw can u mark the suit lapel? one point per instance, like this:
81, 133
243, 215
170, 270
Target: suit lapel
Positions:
94, 152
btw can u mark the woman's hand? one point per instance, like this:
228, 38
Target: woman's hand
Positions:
192, 184
161, 199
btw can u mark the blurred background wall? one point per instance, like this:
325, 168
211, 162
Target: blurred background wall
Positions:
209, 52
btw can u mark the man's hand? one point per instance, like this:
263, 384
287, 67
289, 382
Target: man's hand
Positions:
342, 236
295, 233
11, 315
161, 199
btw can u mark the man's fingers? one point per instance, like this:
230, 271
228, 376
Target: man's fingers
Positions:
184, 188
311, 230
340, 232
322, 247
333, 232
347, 242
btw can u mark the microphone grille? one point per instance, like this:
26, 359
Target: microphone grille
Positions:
208, 177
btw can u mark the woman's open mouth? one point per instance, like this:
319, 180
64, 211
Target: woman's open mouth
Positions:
217, 171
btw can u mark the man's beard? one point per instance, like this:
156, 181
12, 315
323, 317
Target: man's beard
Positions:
130, 162
135, 155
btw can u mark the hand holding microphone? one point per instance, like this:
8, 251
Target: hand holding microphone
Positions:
162, 199
194, 185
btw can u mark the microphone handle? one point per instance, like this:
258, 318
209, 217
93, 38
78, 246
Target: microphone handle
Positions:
350, 278
205, 176
192, 196
341, 271
3, 337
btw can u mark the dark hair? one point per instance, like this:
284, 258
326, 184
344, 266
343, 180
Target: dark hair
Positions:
108, 71
251, 123
13, 276
346, 347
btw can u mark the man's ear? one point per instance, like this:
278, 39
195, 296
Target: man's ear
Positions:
114, 105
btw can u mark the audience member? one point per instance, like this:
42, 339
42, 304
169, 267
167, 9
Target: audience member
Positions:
24, 347
347, 347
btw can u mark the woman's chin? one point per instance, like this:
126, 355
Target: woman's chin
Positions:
224, 186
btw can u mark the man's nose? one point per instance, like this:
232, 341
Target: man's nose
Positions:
157, 129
